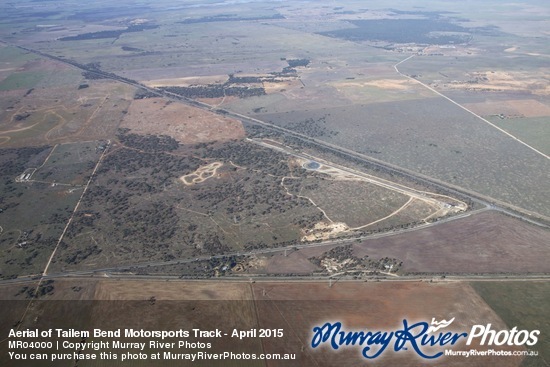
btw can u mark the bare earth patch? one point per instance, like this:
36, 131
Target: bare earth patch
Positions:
218, 101
188, 125
399, 84
504, 81
451, 50
274, 87
385, 84
323, 231
510, 108
187, 81
124, 291
201, 174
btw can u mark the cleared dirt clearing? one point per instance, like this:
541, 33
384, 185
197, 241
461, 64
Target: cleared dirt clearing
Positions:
510, 108
186, 124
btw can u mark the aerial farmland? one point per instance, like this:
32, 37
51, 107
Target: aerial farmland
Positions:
277, 163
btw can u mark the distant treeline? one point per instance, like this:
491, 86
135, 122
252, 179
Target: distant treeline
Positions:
297, 62
215, 91
109, 34
229, 88
229, 18
147, 143
109, 12
420, 31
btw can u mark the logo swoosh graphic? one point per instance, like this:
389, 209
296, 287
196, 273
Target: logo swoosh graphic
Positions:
436, 325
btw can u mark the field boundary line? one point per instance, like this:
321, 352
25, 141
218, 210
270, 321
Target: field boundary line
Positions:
290, 325
255, 306
465, 109
45, 272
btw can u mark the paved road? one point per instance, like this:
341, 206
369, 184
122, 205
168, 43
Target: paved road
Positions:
343, 277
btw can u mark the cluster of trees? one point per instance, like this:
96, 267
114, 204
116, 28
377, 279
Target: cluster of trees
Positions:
142, 229
251, 156
308, 221
47, 287
82, 219
82, 253
229, 18
200, 269
148, 143
13, 161
257, 191
234, 86
155, 169
144, 93
290, 70
311, 127
90, 75
109, 34
251, 79
342, 253
23, 257
388, 264
22, 116
131, 49
216, 91
22, 249
208, 268
245, 79
293, 63
155, 223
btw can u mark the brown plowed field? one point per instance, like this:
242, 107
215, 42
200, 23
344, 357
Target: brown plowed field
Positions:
298, 307
525, 108
487, 242
295, 262
295, 307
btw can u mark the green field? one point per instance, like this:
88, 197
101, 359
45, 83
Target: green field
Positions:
532, 130
23, 80
525, 305
12, 55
